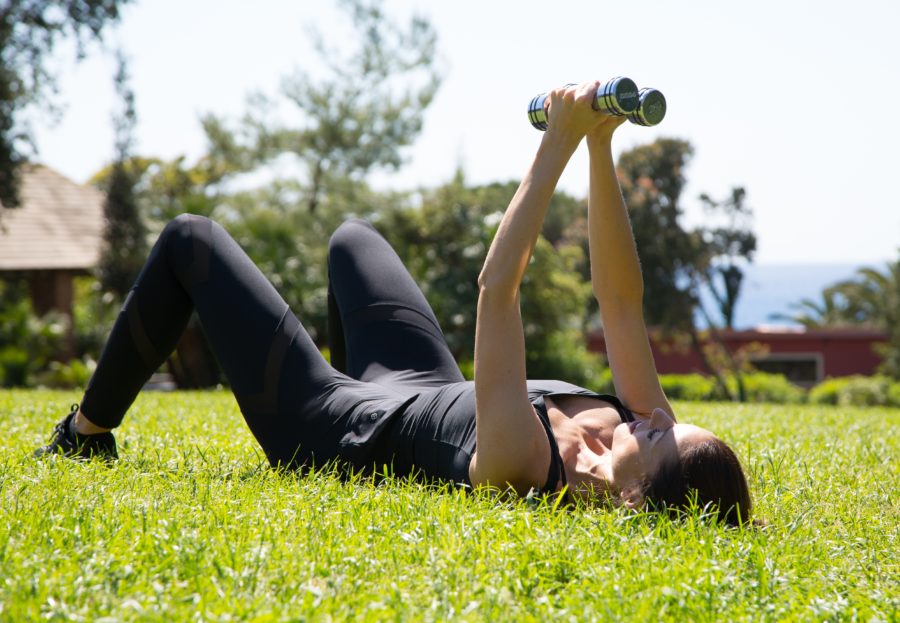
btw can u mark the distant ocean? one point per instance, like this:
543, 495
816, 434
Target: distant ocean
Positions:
770, 289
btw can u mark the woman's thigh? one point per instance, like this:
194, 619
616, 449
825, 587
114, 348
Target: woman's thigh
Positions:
390, 333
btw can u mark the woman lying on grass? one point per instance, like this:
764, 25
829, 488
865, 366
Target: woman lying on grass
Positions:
394, 395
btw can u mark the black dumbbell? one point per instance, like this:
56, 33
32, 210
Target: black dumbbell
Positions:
651, 108
618, 97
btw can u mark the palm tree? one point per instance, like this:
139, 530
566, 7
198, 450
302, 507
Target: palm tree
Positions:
829, 311
876, 299
870, 299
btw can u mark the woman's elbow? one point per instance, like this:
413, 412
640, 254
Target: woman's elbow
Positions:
483, 279
492, 286
630, 295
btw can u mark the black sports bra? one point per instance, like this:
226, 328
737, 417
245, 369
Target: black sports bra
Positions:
556, 471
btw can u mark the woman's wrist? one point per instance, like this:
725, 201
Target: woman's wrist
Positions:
560, 143
601, 136
600, 150
600, 141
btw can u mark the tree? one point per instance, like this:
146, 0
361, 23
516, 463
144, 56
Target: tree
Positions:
874, 299
356, 119
29, 31
728, 246
829, 311
124, 236
889, 286
870, 299
444, 240
652, 179
359, 113
677, 262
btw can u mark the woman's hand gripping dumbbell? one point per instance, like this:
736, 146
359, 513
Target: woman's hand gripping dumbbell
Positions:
618, 97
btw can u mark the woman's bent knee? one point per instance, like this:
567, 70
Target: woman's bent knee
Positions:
350, 235
188, 244
180, 229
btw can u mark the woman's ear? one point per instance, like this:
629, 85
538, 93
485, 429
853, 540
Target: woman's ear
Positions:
632, 495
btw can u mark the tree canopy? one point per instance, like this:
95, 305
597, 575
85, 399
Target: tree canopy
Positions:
359, 116
677, 262
124, 236
29, 32
444, 239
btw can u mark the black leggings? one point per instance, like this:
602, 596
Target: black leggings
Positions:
386, 343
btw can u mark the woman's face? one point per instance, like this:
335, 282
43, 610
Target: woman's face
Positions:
640, 448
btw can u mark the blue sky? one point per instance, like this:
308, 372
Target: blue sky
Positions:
795, 100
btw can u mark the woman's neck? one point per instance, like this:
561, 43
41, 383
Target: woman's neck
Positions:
585, 459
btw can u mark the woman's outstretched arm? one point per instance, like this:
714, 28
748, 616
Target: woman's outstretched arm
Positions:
617, 281
511, 444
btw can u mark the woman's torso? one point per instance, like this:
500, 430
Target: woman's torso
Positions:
434, 434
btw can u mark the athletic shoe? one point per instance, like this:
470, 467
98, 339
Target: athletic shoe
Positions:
65, 441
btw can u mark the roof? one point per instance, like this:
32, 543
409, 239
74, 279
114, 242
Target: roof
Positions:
59, 224
771, 334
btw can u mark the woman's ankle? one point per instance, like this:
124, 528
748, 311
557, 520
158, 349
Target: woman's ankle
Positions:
83, 426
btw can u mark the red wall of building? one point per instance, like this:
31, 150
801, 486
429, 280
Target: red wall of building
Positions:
843, 351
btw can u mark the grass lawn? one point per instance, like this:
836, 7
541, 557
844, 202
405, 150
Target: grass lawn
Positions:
190, 524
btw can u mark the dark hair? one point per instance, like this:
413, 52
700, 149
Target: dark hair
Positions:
708, 474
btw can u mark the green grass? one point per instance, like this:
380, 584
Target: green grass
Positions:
192, 525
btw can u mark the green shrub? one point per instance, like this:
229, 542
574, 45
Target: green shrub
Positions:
864, 392
893, 395
74, 374
766, 387
13, 366
27, 343
688, 386
93, 315
856, 391
759, 386
571, 362
562, 355
605, 382
826, 392
600, 380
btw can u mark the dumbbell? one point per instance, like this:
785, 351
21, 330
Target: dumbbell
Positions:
618, 97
